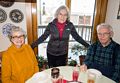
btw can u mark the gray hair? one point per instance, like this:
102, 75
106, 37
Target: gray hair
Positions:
105, 26
16, 29
63, 7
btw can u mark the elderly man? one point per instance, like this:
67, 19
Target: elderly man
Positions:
104, 55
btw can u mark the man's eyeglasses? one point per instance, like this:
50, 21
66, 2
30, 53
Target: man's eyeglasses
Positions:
18, 37
103, 34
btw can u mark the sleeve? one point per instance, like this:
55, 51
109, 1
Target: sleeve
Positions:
116, 74
6, 68
36, 65
36, 68
77, 37
43, 37
90, 54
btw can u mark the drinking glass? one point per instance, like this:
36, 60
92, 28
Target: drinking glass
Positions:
55, 74
91, 77
75, 74
60, 79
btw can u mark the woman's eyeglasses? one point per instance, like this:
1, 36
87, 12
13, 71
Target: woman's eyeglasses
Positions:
18, 37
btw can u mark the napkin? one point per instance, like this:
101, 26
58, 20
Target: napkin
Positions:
73, 82
63, 81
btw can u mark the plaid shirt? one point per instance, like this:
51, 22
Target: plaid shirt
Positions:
103, 56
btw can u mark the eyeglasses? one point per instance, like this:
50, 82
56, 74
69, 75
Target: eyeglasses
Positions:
65, 15
103, 34
18, 37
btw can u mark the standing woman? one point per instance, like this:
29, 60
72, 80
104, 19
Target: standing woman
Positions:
18, 61
59, 31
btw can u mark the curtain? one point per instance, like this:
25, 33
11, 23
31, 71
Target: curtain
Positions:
100, 14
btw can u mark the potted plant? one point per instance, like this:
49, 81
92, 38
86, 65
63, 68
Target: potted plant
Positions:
80, 51
72, 62
42, 63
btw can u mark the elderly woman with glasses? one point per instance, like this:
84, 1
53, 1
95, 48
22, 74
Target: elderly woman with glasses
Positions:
18, 61
59, 31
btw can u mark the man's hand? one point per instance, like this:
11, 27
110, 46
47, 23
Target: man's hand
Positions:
83, 68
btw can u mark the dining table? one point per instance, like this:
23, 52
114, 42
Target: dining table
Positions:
66, 73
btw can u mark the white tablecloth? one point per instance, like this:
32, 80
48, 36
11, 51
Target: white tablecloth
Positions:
66, 72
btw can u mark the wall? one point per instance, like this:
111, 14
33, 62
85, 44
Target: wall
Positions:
4, 41
111, 18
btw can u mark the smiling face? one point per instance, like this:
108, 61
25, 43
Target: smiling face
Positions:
18, 39
62, 16
104, 35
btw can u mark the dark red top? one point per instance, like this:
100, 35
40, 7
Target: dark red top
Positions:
60, 27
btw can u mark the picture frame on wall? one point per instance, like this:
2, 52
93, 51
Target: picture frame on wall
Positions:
118, 15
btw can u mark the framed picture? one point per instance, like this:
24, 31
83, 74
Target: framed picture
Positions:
118, 15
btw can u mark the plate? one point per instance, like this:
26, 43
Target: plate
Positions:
96, 72
39, 77
7, 28
3, 16
16, 16
7, 3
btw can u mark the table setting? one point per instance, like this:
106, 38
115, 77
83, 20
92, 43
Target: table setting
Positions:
68, 74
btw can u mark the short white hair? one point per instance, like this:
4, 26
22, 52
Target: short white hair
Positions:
105, 25
16, 29
63, 7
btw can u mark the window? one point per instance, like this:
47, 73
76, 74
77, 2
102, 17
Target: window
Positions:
81, 14
82, 11
84, 20
82, 17
46, 10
